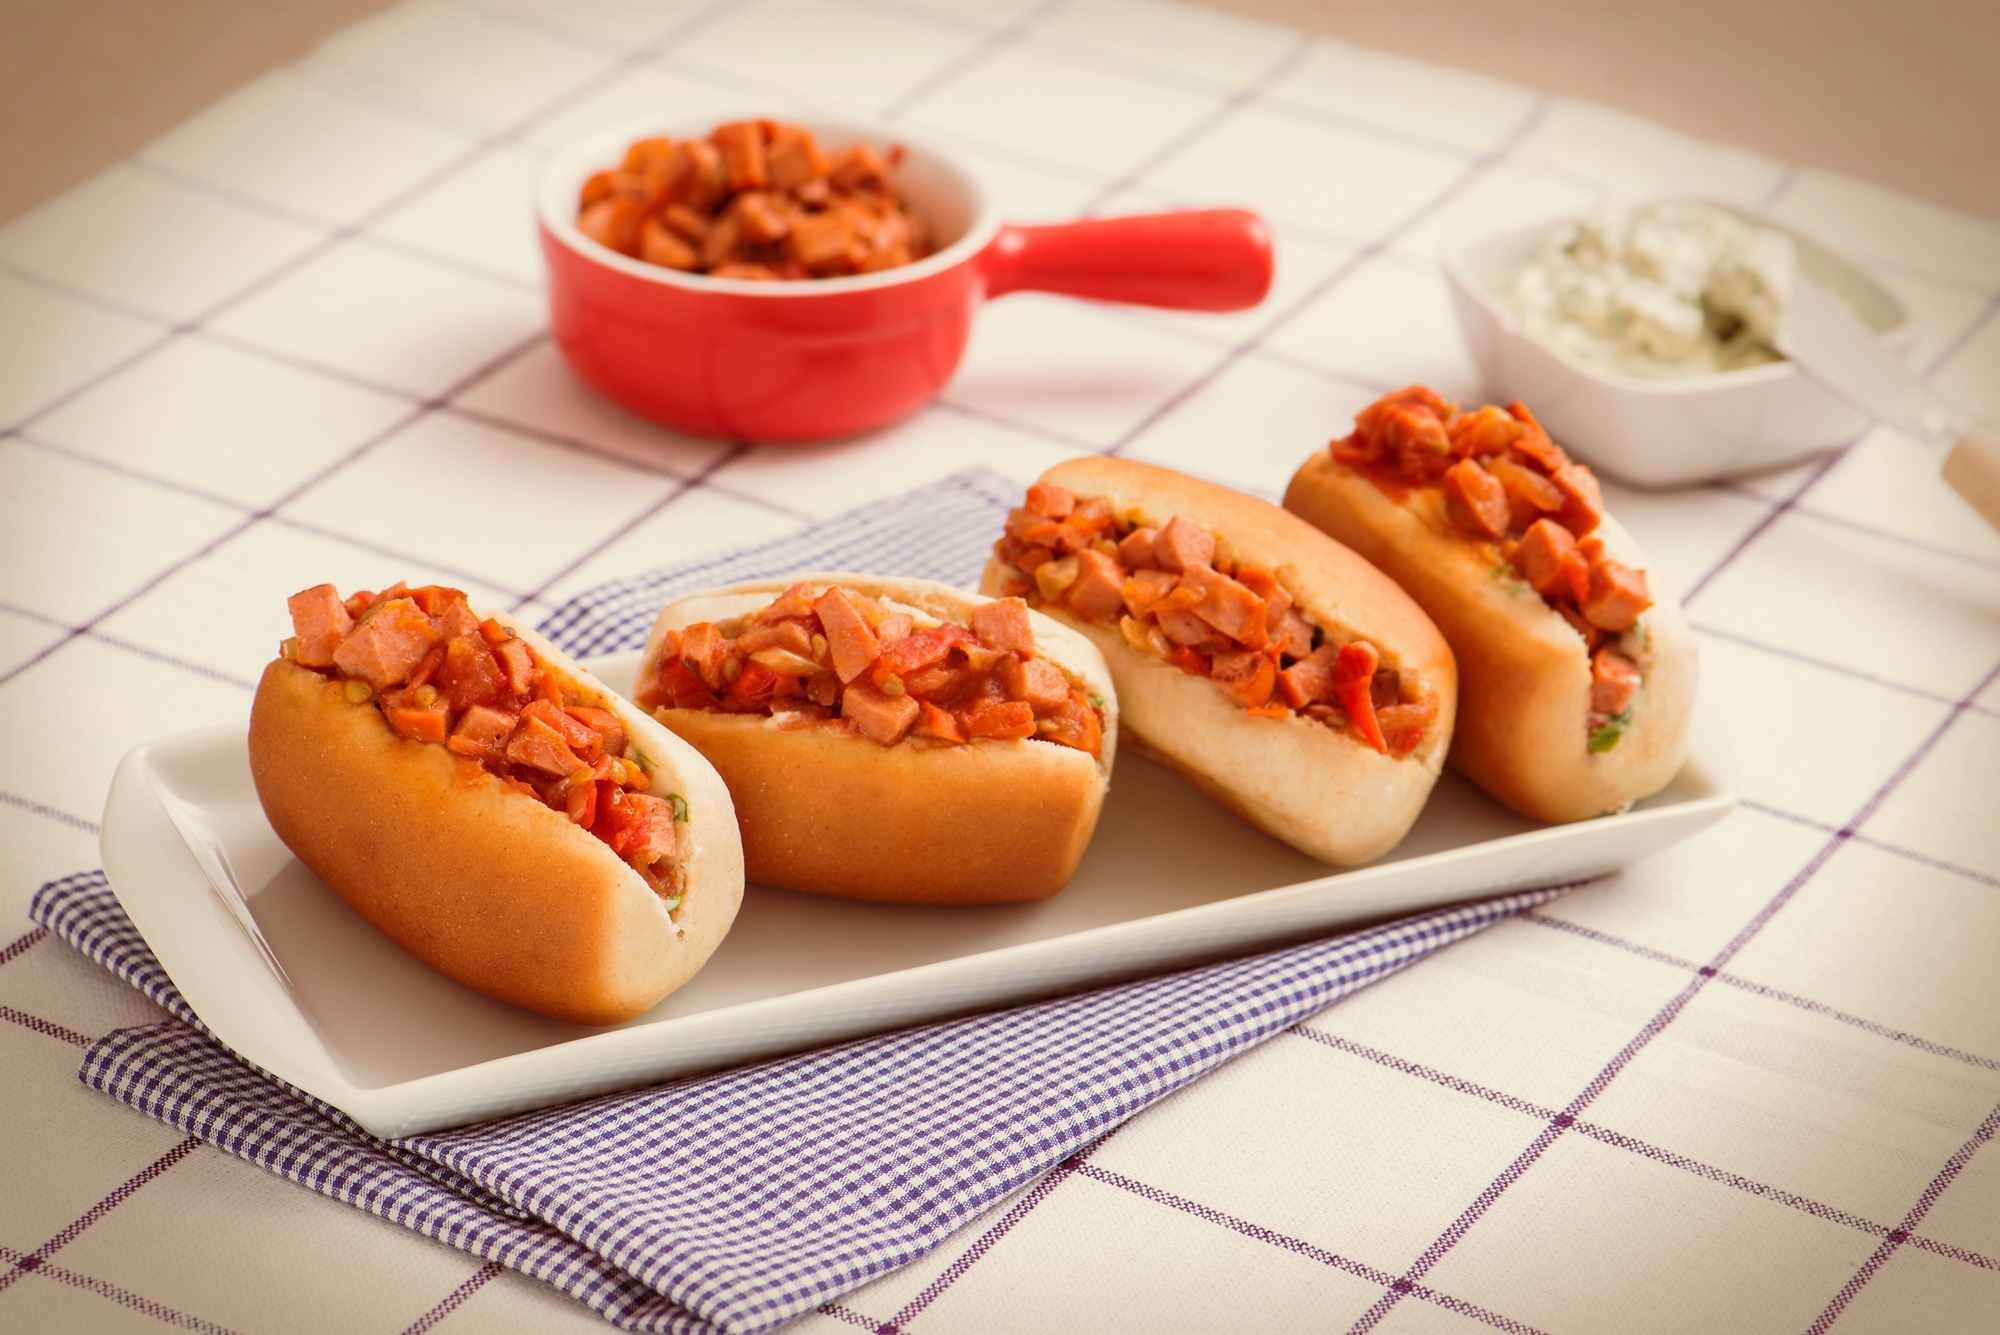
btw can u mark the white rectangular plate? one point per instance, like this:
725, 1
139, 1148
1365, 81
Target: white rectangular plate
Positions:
1171, 879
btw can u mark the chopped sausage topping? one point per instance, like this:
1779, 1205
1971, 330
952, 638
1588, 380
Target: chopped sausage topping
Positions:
1503, 480
441, 675
834, 657
1171, 597
756, 199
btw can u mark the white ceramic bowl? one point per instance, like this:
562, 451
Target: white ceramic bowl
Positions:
1661, 432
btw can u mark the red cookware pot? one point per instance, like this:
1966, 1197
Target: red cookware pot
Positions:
807, 360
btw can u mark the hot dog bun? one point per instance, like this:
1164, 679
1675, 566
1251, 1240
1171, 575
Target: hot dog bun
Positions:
829, 812
1524, 673
483, 883
1312, 786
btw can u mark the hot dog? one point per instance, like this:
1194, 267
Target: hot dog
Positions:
1275, 669
1577, 670
490, 806
890, 739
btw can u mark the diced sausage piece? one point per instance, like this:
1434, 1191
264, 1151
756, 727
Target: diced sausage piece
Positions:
1099, 591
819, 239
1475, 500
1185, 628
796, 601
538, 746
1575, 570
321, 622
1075, 724
1583, 504
482, 733
763, 221
1293, 635
1247, 678
610, 729
850, 644
662, 246
703, 649
718, 248
408, 717
1135, 549
1592, 636
1182, 545
1143, 589
1614, 680
1535, 445
688, 225
895, 627
613, 223
696, 177
1310, 680
880, 718
470, 674
1038, 683
459, 621
742, 148
386, 647
1615, 597
856, 166
1006, 720
1540, 554
1228, 606
519, 661
794, 158
1003, 624
1050, 502
936, 724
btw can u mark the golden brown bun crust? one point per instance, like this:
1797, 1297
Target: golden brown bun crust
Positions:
828, 812
475, 879
1319, 790
1524, 677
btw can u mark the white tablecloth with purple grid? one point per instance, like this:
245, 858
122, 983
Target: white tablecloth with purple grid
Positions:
1747, 1085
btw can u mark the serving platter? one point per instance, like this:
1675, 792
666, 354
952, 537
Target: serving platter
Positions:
1171, 879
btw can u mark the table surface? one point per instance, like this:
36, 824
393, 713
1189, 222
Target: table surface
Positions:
1747, 1084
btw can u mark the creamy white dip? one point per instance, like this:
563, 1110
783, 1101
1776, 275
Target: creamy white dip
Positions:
1666, 290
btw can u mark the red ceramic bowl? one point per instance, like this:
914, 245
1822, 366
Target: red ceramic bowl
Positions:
807, 360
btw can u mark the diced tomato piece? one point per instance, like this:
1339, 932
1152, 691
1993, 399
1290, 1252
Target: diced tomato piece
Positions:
1003, 719
1003, 624
935, 723
1404, 723
642, 828
387, 645
580, 802
1614, 680
1143, 589
1353, 675
429, 667
1482, 434
796, 601
1189, 660
435, 598
1075, 724
883, 718
321, 621
1540, 554
920, 650
1535, 445
1475, 500
753, 688
1529, 495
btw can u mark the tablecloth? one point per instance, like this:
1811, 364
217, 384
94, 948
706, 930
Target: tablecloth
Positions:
1746, 1084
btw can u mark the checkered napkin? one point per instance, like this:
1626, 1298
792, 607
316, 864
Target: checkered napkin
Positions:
741, 1200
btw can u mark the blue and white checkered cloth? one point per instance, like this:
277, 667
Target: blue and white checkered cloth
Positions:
738, 1201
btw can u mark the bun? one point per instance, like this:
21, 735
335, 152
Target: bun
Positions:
1525, 672
1317, 787
483, 883
827, 811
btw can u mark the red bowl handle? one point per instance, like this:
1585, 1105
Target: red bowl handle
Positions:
1195, 260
